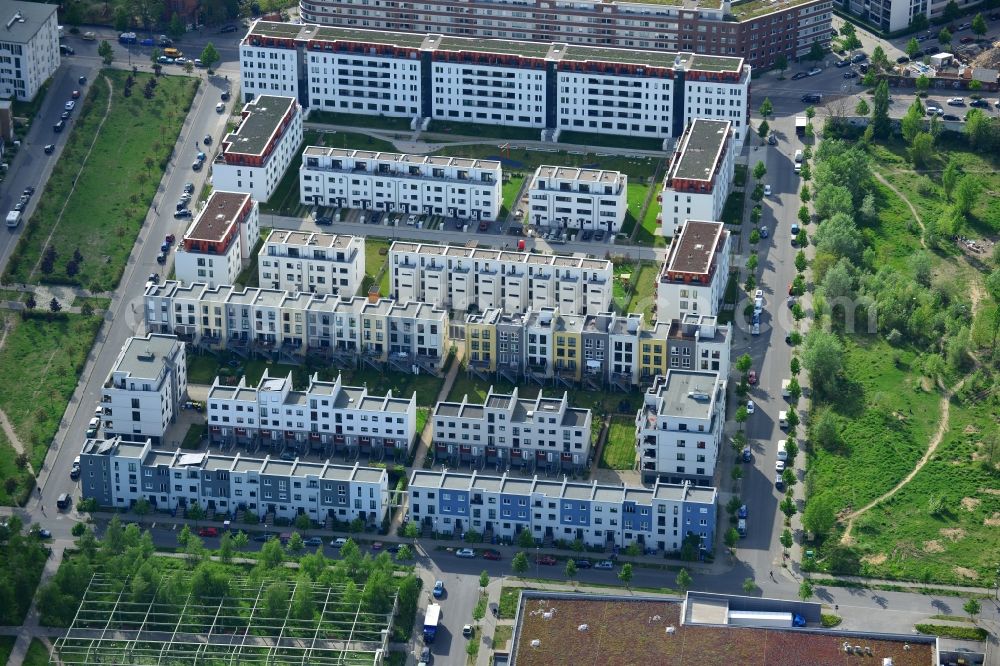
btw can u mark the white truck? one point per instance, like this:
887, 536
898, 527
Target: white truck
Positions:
13, 219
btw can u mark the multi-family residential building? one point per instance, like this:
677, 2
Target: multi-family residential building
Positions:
220, 241
607, 350
254, 156
145, 388
699, 176
540, 433
326, 417
757, 31
678, 429
29, 48
599, 515
693, 278
287, 325
548, 86
117, 473
894, 15
572, 198
313, 262
451, 186
464, 279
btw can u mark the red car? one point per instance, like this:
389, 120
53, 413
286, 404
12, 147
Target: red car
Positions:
490, 554
752, 377
208, 532
547, 560
76, 94
170, 238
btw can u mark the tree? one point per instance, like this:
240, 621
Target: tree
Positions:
838, 235
732, 537
31, 303
302, 607
106, 52
188, 67
54, 305
921, 149
966, 193
861, 108
570, 569
825, 430
823, 358
743, 364
226, 548
625, 574
525, 540
749, 586
949, 177
880, 111
763, 129
295, 543
195, 512
951, 11
944, 37
979, 26
121, 19
78, 529
804, 216
912, 47
993, 287
683, 580
484, 579
801, 263
879, 60
182, 537
752, 262
923, 83
913, 121
919, 23
519, 563
781, 64
240, 540
788, 507
979, 130
741, 416
759, 171
794, 393
786, 539
276, 600
819, 515
816, 51
272, 554
830, 201
766, 108
806, 590
209, 56
405, 553
795, 365
176, 26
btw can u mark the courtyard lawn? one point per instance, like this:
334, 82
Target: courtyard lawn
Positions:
649, 230
525, 160
42, 359
619, 448
114, 186
732, 210
591, 140
644, 294
510, 189
376, 258
355, 120
489, 131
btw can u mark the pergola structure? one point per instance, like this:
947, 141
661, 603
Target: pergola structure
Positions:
113, 627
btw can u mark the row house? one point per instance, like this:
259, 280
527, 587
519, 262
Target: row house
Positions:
473, 279
572, 198
456, 187
678, 429
505, 429
547, 85
660, 517
145, 388
699, 176
253, 157
312, 262
117, 474
220, 241
407, 336
326, 417
694, 276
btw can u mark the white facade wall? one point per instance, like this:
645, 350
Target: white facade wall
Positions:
367, 85
571, 198
268, 71
719, 100
467, 92
212, 269
316, 263
608, 104
676, 300
678, 207
29, 54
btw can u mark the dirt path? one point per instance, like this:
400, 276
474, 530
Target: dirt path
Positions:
880, 178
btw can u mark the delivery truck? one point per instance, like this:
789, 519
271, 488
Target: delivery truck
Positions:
431, 620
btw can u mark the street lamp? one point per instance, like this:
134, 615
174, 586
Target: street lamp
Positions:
538, 551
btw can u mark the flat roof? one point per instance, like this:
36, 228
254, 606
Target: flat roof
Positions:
744, 11
310, 238
218, 215
142, 358
647, 630
692, 250
540, 50
664, 59
688, 393
263, 117
701, 149
24, 20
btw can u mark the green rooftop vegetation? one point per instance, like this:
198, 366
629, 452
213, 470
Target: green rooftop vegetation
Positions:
755, 8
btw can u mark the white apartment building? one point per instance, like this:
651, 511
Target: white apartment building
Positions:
284, 325
29, 48
451, 186
469, 278
693, 278
145, 388
505, 429
117, 474
599, 515
678, 429
699, 176
220, 241
253, 158
572, 198
549, 86
313, 262
326, 416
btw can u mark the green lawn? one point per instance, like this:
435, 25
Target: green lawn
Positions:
250, 276
895, 237
114, 185
376, 257
502, 635
194, 436
649, 231
8, 470
644, 294
739, 175
355, 120
98, 303
510, 189
732, 210
37, 654
42, 359
485, 130
509, 598
6, 647
638, 169
619, 448
611, 140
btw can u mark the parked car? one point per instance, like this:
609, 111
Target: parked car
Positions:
313, 542
799, 75
48, 149
779, 466
220, 107
950, 116
161, 258
764, 233
338, 542
154, 278
599, 235
465, 552
779, 482
956, 101
228, 28
467, 631
752, 377
547, 560
484, 225
225, 96
843, 63
208, 532
812, 98
859, 57
772, 139
767, 190
934, 110
82, 80
747, 454
490, 554
605, 564
170, 238
814, 71
58, 127
850, 75
262, 537
65, 115
182, 214
208, 139
902, 60
438, 591
742, 512
198, 63
751, 407
323, 221
66, 50
196, 166
583, 564
795, 230
70, 105
189, 187
979, 104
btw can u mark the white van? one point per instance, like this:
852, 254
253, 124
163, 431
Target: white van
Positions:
13, 219
798, 156
782, 451
783, 419
785, 383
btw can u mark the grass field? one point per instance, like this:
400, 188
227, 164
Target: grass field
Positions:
355, 120
37, 654
490, 131
114, 186
509, 191
8, 470
648, 233
641, 168
509, 596
611, 141
42, 357
375, 260
619, 448
502, 635
6, 647
644, 294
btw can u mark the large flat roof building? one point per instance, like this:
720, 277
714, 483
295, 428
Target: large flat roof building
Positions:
312, 262
29, 47
694, 275
220, 241
699, 176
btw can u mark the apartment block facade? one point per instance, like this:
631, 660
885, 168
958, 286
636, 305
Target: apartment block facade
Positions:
312, 262
756, 31
29, 48
548, 86
220, 241
504, 430
678, 429
572, 198
599, 515
693, 278
254, 156
279, 324
607, 350
326, 417
145, 388
117, 474
466, 279
449, 186
699, 177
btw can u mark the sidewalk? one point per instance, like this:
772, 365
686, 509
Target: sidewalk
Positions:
30, 628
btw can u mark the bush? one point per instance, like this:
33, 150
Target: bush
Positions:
958, 633
828, 620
